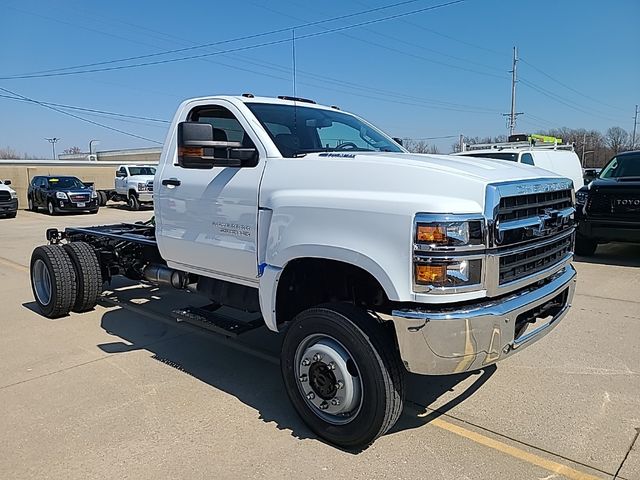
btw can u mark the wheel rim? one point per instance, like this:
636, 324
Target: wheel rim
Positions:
328, 379
41, 282
50, 207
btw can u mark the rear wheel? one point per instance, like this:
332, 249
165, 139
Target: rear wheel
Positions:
53, 280
133, 202
87, 269
102, 198
343, 374
585, 246
31, 206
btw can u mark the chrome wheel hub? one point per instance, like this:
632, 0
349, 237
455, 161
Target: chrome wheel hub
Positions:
328, 379
41, 282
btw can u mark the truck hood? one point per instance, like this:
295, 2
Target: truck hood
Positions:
422, 183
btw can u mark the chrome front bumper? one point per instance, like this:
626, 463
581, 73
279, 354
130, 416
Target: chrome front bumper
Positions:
145, 196
440, 342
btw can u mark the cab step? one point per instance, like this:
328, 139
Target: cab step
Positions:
209, 318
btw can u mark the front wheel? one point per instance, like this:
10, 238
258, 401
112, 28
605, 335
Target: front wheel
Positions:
343, 374
133, 203
50, 208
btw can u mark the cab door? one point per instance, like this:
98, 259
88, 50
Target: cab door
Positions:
206, 219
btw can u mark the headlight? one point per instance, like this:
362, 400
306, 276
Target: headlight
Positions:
449, 234
581, 197
94, 194
448, 273
13, 194
61, 195
142, 187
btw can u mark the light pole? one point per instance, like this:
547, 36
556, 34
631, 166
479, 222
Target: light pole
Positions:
53, 142
91, 144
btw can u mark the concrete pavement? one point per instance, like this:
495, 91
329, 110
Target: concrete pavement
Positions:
125, 392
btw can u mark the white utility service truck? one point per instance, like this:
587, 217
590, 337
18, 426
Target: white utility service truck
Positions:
133, 184
369, 259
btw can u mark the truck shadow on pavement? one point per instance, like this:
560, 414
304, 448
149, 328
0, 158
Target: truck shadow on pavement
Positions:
619, 254
246, 368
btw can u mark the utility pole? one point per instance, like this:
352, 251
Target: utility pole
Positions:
514, 79
53, 142
584, 141
635, 123
461, 143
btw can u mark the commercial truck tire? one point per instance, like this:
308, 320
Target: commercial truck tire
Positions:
53, 280
343, 374
133, 202
88, 273
585, 246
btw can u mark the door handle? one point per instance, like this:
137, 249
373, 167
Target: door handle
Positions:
171, 181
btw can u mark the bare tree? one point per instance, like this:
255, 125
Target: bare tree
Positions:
73, 150
8, 153
419, 146
616, 139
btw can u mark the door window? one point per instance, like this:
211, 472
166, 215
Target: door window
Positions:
527, 158
226, 127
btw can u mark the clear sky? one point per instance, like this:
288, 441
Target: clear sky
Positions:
435, 73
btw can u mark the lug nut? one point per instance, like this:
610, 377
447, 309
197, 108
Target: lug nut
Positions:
332, 365
506, 349
311, 395
303, 378
340, 384
335, 401
324, 406
317, 357
306, 362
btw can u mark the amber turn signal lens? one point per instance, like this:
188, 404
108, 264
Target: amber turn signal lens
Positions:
191, 152
431, 274
432, 234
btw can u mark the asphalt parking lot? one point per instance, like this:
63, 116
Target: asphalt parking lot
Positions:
125, 392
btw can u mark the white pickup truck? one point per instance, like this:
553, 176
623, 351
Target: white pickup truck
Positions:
369, 259
133, 184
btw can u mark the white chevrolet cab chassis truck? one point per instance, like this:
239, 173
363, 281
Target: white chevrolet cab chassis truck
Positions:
369, 259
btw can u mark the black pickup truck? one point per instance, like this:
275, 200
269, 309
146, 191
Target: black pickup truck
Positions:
608, 209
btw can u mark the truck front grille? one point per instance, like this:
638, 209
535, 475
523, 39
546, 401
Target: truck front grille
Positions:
531, 225
622, 206
79, 197
533, 259
5, 196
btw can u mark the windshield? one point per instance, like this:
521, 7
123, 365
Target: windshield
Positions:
64, 183
299, 130
142, 171
622, 166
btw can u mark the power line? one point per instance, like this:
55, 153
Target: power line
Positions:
83, 109
561, 100
56, 109
60, 72
569, 87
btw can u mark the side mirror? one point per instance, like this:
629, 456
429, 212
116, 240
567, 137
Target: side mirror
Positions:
397, 140
121, 174
198, 148
7, 182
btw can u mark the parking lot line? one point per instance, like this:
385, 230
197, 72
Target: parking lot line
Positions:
10, 263
550, 465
